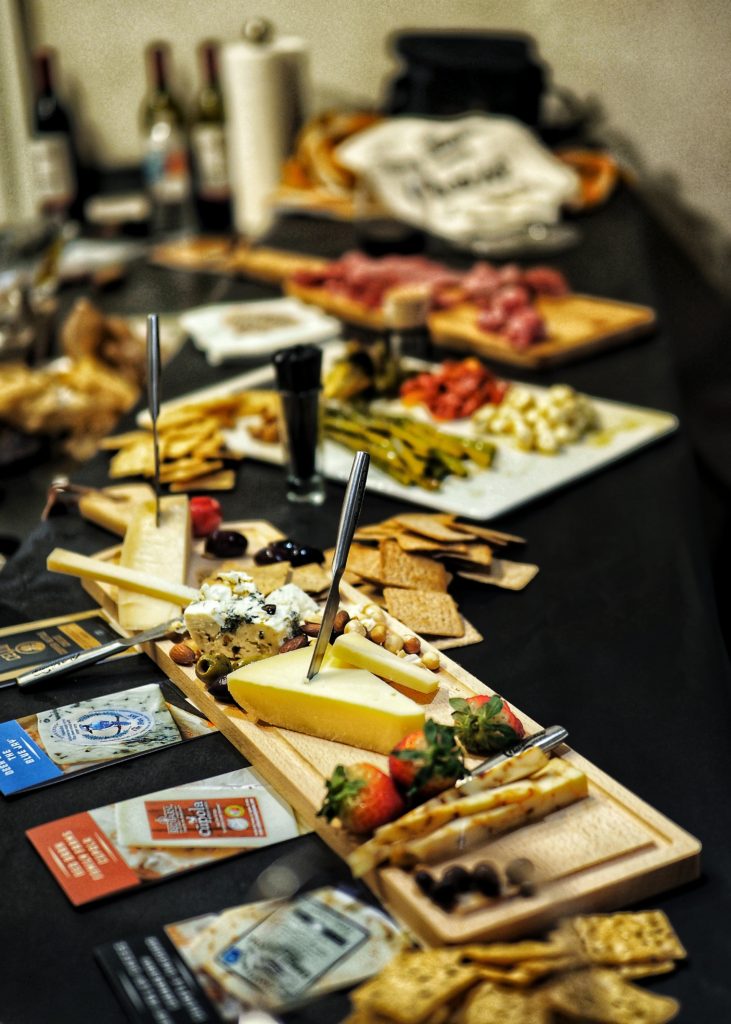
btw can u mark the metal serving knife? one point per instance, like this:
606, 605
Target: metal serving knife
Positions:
153, 396
352, 503
545, 740
71, 662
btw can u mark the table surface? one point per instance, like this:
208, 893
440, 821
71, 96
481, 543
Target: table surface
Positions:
617, 638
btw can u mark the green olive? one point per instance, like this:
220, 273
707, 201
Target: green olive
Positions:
209, 670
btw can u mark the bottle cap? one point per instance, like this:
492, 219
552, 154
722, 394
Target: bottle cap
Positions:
298, 368
258, 30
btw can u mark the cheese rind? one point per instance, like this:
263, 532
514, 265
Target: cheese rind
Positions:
162, 551
61, 560
344, 704
364, 653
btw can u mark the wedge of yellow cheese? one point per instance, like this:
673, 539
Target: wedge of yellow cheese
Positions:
345, 704
364, 653
61, 560
161, 551
112, 507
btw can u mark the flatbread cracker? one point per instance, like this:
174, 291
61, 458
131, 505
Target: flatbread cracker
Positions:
646, 970
628, 937
223, 480
473, 554
415, 985
514, 952
491, 536
505, 574
366, 562
491, 1003
401, 570
268, 577
425, 611
433, 527
602, 995
312, 578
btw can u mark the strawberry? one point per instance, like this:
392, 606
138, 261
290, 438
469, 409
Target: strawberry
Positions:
426, 762
485, 724
205, 515
362, 796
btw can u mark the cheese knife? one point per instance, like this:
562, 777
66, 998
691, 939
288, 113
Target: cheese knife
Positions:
352, 503
80, 659
545, 740
153, 396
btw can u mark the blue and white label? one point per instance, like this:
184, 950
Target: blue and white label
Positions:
106, 725
22, 762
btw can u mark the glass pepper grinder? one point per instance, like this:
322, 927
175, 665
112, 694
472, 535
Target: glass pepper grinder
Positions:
298, 379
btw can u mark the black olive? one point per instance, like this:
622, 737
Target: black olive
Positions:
269, 555
444, 895
226, 544
305, 555
485, 879
425, 881
459, 877
219, 690
270, 609
209, 670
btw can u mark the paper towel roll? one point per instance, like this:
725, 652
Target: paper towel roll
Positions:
266, 94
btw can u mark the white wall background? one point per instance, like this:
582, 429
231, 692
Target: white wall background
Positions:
660, 69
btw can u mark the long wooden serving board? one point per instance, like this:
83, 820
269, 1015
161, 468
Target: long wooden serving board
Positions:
605, 851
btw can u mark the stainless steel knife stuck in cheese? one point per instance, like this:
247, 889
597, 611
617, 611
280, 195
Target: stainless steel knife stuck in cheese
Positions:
153, 397
352, 503
546, 740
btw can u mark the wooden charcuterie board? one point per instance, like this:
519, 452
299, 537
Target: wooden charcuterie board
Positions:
605, 851
577, 326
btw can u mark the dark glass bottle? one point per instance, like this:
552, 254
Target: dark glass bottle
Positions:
208, 146
165, 162
52, 152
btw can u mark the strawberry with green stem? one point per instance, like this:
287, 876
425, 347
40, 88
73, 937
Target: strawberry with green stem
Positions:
485, 724
426, 762
362, 797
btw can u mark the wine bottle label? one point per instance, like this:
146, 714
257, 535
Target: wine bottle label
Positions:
53, 174
209, 152
166, 167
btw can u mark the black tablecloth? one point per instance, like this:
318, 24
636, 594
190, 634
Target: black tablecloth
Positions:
618, 638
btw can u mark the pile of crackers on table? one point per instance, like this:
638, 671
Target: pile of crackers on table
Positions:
402, 563
582, 972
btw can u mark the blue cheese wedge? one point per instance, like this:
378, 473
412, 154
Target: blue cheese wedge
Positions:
105, 728
232, 618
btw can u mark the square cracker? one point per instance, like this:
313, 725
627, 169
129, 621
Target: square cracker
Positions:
502, 573
415, 985
433, 527
425, 611
628, 937
489, 1002
311, 578
365, 562
599, 994
514, 952
266, 577
398, 569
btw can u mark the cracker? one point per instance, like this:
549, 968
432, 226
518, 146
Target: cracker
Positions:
122, 440
492, 536
401, 570
502, 573
473, 554
223, 480
312, 578
413, 542
513, 952
601, 995
425, 611
366, 562
646, 970
489, 1002
628, 937
415, 985
433, 527
267, 577
471, 635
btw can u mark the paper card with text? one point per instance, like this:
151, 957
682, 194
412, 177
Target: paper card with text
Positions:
152, 837
60, 742
273, 955
31, 644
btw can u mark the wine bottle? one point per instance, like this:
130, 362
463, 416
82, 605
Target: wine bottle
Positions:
165, 162
52, 155
208, 145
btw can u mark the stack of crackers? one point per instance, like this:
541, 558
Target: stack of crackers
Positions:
582, 972
402, 562
311, 578
192, 443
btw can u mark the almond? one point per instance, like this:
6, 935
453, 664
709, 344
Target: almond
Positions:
294, 643
182, 654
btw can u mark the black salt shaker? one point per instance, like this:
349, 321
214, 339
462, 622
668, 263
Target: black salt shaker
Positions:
298, 379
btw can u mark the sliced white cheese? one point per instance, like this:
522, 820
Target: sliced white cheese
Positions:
105, 728
349, 705
162, 551
61, 560
364, 653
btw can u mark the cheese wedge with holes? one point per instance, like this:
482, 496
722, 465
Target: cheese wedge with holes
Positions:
558, 785
61, 560
345, 704
162, 551
364, 653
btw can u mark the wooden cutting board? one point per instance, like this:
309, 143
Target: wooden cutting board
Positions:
577, 326
603, 852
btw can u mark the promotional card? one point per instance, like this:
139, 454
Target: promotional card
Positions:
35, 643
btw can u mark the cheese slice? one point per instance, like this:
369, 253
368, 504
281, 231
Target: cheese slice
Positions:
348, 705
529, 800
112, 507
162, 551
61, 560
364, 653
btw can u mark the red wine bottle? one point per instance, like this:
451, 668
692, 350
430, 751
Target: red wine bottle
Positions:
52, 151
165, 162
208, 145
